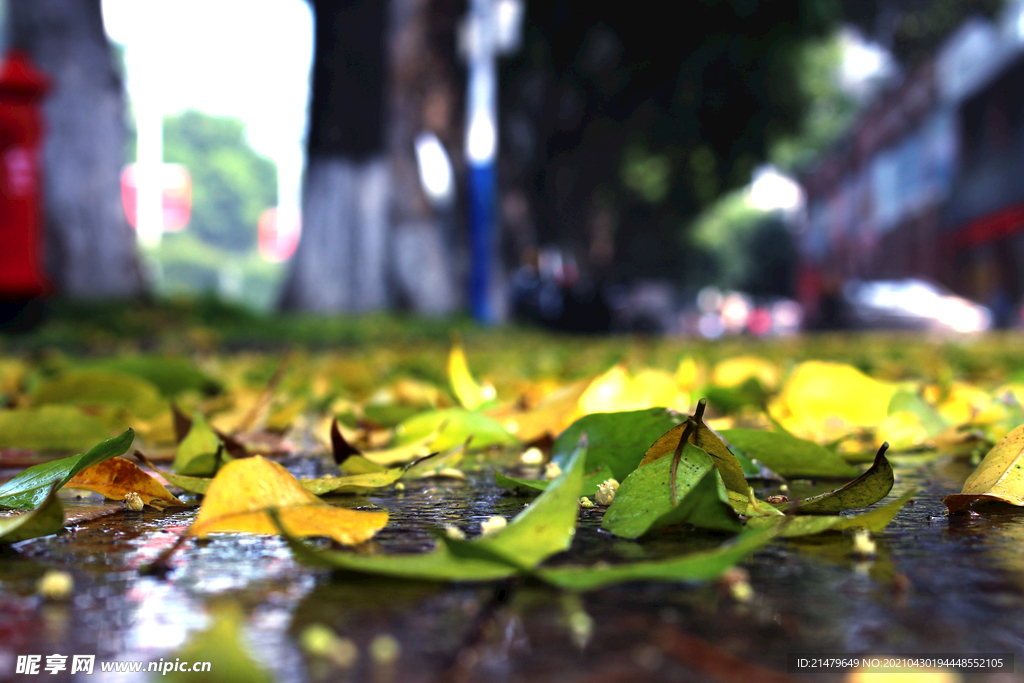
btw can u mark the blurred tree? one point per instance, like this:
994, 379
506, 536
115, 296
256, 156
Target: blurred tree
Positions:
382, 74
91, 249
614, 112
912, 30
613, 109
830, 109
232, 184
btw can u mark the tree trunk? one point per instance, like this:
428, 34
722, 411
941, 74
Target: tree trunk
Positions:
90, 247
369, 238
340, 264
423, 97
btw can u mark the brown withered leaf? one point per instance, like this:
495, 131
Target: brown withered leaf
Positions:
117, 477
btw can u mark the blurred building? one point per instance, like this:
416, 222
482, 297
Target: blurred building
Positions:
927, 183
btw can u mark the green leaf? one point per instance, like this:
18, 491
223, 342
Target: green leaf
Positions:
50, 428
101, 388
355, 483
459, 424
357, 464
788, 455
28, 489
705, 438
543, 529
700, 566
46, 519
590, 482
865, 490
617, 440
913, 402
644, 500
807, 525
221, 645
197, 452
170, 376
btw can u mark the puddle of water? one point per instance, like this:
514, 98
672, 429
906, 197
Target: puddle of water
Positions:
935, 585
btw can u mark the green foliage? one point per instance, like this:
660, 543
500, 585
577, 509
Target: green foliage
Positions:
829, 112
788, 455
617, 441
865, 490
751, 249
231, 184
644, 501
50, 428
30, 487
456, 425
46, 519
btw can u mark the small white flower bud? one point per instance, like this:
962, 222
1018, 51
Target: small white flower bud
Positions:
606, 492
489, 526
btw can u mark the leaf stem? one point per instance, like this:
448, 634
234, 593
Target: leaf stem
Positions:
678, 455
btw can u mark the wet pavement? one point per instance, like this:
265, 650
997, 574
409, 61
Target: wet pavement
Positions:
936, 585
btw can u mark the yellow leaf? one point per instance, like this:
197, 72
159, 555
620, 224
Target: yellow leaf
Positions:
551, 416
689, 375
902, 430
243, 491
965, 403
405, 453
733, 372
998, 478
116, 477
469, 393
615, 391
828, 400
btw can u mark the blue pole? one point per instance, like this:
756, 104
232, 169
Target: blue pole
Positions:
481, 236
481, 152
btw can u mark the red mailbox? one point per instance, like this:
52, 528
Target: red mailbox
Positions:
22, 88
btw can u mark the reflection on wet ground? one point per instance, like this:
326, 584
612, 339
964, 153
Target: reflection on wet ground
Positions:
935, 586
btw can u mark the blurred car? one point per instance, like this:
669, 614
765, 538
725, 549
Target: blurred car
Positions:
912, 304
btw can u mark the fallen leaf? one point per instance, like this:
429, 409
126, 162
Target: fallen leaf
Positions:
792, 526
645, 502
116, 477
616, 392
221, 645
824, 401
450, 427
788, 455
171, 376
50, 428
732, 372
548, 418
341, 449
700, 566
590, 482
541, 530
999, 478
865, 490
101, 388
363, 482
931, 421
468, 392
706, 439
46, 519
240, 495
618, 440
197, 454
29, 488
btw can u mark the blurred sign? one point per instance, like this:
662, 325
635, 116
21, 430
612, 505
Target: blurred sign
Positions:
177, 196
278, 234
